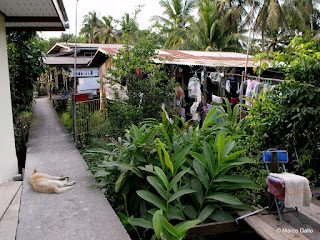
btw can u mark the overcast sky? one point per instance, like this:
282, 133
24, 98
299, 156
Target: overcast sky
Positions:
115, 8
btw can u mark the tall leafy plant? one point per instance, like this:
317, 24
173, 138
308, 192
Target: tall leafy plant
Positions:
177, 168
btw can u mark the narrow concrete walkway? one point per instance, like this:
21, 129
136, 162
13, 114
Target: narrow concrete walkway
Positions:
80, 213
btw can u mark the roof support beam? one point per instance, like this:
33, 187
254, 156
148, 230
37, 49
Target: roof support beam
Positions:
34, 29
33, 19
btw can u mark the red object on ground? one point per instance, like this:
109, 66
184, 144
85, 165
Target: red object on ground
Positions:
276, 186
82, 97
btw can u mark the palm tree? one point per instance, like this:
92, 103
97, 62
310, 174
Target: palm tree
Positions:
300, 14
91, 23
178, 16
106, 32
213, 31
270, 21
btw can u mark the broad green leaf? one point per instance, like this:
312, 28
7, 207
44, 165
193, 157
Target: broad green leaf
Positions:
99, 150
221, 146
214, 121
166, 157
233, 155
185, 226
180, 193
235, 114
177, 178
206, 212
136, 171
242, 207
137, 133
164, 131
233, 186
111, 164
121, 180
233, 178
221, 216
147, 169
201, 173
178, 157
138, 156
211, 161
190, 211
200, 158
228, 147
237, 162
101, 173
174, 213
225, 198
158, 148
156, 222
162, 176
169, 228
148, 135
196, 184
150, 197
157, 185
140, 222
206, 122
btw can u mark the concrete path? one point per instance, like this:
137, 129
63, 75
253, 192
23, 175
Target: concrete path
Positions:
80, 213
10, 193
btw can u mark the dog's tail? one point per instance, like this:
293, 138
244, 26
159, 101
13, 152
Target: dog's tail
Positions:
63, 189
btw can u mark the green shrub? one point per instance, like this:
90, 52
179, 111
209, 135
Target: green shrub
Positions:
146, 82
288, 118
177, 168
66, 120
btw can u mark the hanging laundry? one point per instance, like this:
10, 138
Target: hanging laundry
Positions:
194, 90
243, 89
216, 99
202, 77
183, 113
250, 87
193, 110
215, 77
232, 88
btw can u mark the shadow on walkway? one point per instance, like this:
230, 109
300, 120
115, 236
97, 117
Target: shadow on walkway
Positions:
80, 213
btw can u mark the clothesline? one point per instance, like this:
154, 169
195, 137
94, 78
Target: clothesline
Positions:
267, 79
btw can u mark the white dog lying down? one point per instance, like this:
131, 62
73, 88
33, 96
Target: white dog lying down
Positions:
44, 183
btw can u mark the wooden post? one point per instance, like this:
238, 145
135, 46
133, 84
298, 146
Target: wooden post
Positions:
205, 86
248, 47
74, 112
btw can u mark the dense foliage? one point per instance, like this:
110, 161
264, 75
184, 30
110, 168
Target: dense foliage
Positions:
25, 52
288, 117
147, 85
161, 174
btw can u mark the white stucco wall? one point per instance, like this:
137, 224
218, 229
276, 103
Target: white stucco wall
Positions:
8, 159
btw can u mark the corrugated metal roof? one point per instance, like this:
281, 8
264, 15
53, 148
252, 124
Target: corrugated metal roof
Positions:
66, 60
197, 58
177, 57
87, 46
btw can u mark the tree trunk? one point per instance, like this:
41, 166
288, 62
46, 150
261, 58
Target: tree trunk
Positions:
262, 40
311, 21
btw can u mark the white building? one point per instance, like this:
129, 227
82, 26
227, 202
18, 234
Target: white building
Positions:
20, 15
